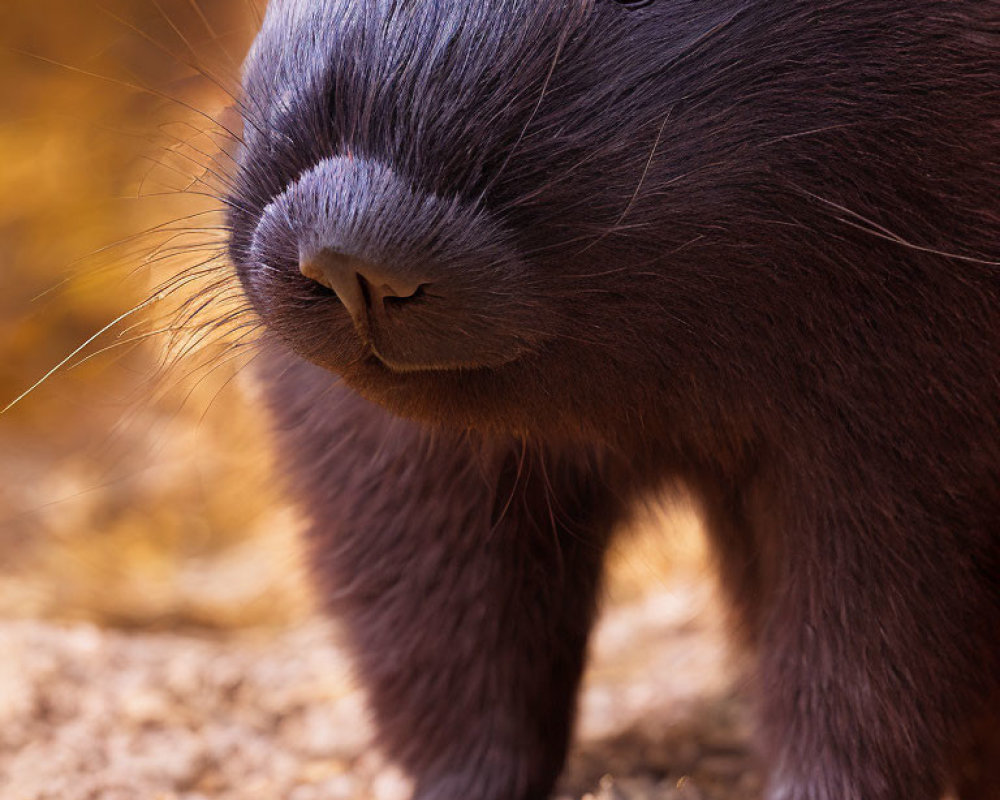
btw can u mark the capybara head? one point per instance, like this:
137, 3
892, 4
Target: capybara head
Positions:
527, 214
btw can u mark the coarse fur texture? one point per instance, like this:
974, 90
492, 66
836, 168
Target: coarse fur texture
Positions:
752, 247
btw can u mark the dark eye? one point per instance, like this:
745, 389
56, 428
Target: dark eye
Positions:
634, 3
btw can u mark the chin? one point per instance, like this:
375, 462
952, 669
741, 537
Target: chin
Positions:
460, 398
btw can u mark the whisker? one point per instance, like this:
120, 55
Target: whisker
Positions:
236, 373
162, 227
71, 356
212, 32
514, 487
873, 228
132, 340
645, 171
126, 84
166, 50
531, 117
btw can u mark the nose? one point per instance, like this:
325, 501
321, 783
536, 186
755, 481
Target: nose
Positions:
361, 286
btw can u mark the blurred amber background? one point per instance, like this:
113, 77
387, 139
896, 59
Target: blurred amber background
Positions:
131, 493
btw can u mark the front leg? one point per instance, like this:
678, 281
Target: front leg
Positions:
880, 643
465, 576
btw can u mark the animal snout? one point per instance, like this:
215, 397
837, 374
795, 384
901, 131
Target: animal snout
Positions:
367, 290
430, 283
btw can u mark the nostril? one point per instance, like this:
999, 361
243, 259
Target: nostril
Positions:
396, 300
389, 289
363, 287
338, 272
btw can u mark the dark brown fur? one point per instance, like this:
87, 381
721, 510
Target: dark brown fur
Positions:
748, 246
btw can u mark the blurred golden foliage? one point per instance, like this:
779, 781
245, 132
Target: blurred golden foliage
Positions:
130, 494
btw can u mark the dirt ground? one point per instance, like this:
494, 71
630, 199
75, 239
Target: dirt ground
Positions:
91, 714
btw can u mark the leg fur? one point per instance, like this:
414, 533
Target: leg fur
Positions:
876, 649
466, 580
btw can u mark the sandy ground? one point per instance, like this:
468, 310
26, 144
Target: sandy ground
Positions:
90, 714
